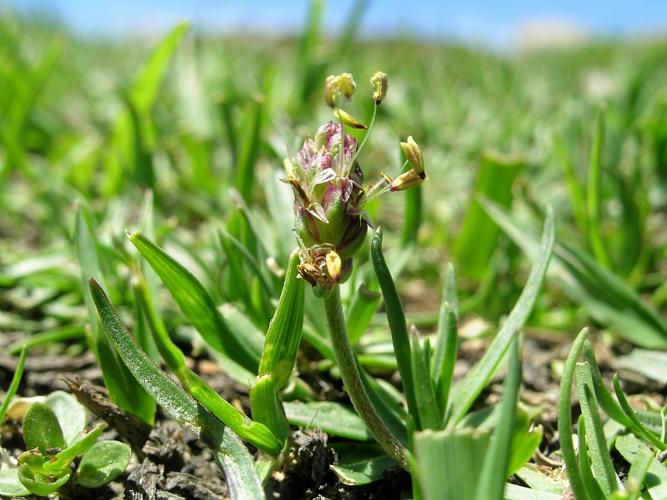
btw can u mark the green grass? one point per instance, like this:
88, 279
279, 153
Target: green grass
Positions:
180, 141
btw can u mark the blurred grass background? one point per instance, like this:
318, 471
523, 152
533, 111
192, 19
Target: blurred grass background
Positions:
204, 121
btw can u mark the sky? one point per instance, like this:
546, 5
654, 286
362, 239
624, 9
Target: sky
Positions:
481, 21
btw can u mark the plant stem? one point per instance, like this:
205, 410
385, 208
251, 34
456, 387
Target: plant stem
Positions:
354, 386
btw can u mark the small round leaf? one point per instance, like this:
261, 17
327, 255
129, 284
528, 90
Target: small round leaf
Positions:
70, 413
10, 486
41, 429
103, 463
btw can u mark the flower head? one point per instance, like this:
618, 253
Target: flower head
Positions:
328, 192
327, 182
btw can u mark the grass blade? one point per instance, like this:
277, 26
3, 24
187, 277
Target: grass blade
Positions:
14, 385
145, 88
565, 418
606, 297
592, 485
50, 336
250, 144
446, 347
594, 193
360, 313
638, 471
636, 426
253, 432
397, 323
284, 334
412, 218
496, 462
172, 399
477, 238
600, 460
448, 462
602, 394
120, 383
267, 408
230, 453
195, 303
427, 404
481, 373
333, 418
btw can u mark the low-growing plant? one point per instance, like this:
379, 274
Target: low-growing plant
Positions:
199, 137
331, 226
638, 436
60, 454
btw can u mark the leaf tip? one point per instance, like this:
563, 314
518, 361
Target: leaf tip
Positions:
133, 236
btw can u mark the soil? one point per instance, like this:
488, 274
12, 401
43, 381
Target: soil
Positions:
170, 463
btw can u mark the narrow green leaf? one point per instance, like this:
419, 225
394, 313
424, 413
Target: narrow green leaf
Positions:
253, 432
142, 155
389, 408
446, 346
195, 303
284, 334
478, 235
594, 193
602, 394
267, 408
638, 470
636, 426
364, 304
310, 71
364, 471
629, 447
397, 323
600, 460
650, 363
64, 457
351, 26
574, 186
477, 378
605, 296
229, 452
122, 387
524, 445
251, 140
171, 354
496, 462
174, 401
448, 462
412, 217
590, 482
50, 336
333, 418
143, 334
145, 88
13, 386
103, 463
427, 405
259, 271
565, 418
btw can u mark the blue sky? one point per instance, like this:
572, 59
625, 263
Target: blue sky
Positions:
485, 21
